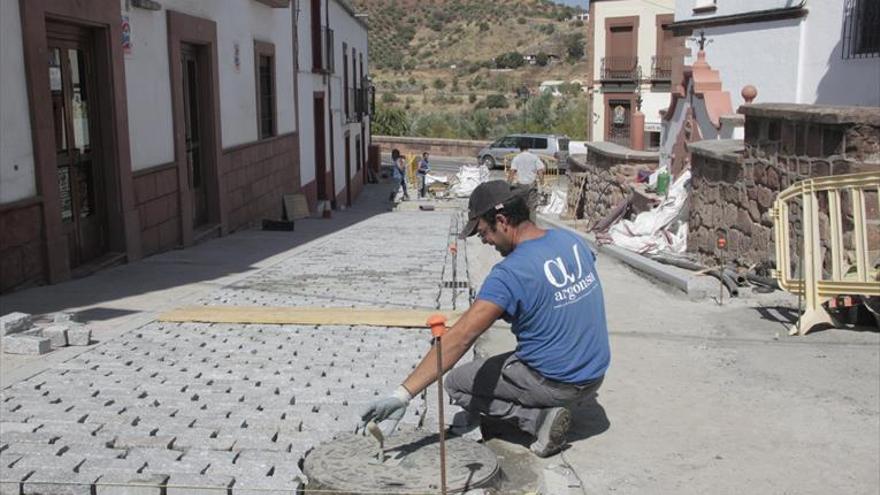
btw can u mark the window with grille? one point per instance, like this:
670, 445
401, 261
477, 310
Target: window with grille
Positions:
264, 58
861, 29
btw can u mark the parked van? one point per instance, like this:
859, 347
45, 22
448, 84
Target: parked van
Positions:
541, 144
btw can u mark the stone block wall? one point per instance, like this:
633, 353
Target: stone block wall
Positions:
734, 192
22, 258
158, 204
440, 147
257, 176
601, 179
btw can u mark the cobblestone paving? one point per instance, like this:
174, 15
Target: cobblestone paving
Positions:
236, 407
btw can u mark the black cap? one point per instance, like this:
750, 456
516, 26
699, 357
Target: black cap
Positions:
486, 197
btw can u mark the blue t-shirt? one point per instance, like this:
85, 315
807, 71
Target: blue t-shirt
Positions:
550, 293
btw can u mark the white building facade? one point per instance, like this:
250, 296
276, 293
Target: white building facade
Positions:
334, 102
633, 52
810, 51
129, 128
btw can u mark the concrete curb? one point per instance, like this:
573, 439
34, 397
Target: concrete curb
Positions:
695, 286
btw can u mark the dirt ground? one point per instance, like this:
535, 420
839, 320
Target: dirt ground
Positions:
702, 398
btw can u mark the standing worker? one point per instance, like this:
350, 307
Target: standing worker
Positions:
424, 168
398, 174
547, 288
526, 169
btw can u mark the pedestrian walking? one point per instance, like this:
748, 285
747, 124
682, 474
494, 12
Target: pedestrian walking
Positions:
398, 174
548, 289
527, 170
424, 168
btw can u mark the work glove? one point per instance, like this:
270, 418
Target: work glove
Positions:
391, 408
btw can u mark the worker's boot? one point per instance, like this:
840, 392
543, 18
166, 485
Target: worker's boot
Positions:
553, 424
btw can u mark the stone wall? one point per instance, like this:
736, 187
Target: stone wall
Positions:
258, 174
22, 257
601, 179
735, 184
157, 201
440, 147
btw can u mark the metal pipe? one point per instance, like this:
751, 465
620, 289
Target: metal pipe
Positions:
690, 265
763, 281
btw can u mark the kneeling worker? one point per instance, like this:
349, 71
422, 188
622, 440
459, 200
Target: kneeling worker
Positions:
548, 289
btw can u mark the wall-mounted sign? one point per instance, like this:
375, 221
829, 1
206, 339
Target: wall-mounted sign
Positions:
126, 35
236, 57
652, 127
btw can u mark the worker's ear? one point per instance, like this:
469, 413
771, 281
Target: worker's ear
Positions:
501, 220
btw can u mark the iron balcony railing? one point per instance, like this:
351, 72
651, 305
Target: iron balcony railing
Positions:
323, 53
620, 68
661, 68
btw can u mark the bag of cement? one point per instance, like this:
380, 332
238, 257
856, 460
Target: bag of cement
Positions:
467, 179
556, 204
661, 230
431, 179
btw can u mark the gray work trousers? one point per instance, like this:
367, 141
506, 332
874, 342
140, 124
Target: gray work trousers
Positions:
505, 388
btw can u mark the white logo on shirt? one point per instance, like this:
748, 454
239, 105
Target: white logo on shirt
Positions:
572, 285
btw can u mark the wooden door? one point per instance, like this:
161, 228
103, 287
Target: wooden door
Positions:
77, 148
622, 51
195, 165
320, 147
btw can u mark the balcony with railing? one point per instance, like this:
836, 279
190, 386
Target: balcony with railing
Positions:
661, 68
322, 51
620, 69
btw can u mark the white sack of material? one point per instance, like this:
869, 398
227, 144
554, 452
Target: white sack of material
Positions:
431, 179
557, 203
661, 230
467, 179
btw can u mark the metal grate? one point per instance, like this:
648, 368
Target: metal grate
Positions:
861, 29
449, 284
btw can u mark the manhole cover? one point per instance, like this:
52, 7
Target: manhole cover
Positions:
349, 464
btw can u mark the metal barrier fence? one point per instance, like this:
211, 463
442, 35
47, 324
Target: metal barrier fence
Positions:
853, 276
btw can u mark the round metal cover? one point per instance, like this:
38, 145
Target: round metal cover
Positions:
411, 464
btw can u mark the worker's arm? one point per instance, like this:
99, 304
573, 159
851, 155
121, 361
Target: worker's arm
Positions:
455, 343
457, 340
511, 175
541, 176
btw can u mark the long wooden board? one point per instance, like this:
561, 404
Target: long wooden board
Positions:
412, 318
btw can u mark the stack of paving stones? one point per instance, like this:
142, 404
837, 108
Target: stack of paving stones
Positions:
22, 336
234, 408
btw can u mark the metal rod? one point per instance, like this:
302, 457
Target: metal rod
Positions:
440, 418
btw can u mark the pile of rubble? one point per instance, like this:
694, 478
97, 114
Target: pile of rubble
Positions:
22, 336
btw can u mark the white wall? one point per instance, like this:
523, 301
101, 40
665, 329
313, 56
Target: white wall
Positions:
17, 176
795, 60
743, 55
147, 73
309, 83
825, 76
684, 9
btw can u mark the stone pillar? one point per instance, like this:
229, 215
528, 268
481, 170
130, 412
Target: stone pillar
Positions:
637, 131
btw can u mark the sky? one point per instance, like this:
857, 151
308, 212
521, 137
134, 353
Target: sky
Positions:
575, 3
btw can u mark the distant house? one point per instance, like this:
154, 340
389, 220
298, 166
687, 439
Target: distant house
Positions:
551, 87
583, 16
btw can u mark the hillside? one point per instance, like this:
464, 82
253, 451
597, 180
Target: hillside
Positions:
443, 58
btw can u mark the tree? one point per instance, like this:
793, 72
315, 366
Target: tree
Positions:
439, 84
574, 46
484, 26
509, 60
496, 101
390, 121
389, 98
541, 59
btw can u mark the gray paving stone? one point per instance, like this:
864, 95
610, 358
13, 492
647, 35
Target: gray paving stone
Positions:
187, 484
11, 426
100, 466
58, 482
47, 461
8, 459
92, 452
57, 335
154, 455
144, 441
265, 485
35, 437
35, 449
11, 480
124, 483
79, 336
26, 344
14, 323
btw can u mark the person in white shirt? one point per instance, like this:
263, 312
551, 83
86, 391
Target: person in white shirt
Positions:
526, 169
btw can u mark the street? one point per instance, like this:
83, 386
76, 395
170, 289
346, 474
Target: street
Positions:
700, 398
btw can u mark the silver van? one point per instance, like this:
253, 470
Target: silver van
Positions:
541, 144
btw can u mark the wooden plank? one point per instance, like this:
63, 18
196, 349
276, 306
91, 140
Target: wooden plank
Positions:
296, 206
412, 318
